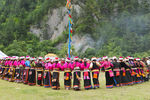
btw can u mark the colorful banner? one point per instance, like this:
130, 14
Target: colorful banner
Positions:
69, 7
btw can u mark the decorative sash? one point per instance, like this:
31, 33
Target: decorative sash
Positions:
40, 76
133, 73
86, 75
124, 73
78, 76
117, 73
67, 76
45, 75
111, 74
95, 75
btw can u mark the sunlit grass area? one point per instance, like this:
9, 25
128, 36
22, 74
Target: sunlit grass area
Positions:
15, 91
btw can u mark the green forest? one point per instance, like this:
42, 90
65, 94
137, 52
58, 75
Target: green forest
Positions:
124, 26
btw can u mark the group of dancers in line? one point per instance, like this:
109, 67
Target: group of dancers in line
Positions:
45, 72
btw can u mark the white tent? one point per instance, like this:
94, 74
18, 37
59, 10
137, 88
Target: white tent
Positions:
2, 54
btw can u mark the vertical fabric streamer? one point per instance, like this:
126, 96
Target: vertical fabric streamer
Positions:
69, 6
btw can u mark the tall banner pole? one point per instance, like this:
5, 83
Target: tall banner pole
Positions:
69, 45
69, 6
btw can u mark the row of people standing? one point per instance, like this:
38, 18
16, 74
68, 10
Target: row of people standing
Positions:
32, 72
130, 71
117, 72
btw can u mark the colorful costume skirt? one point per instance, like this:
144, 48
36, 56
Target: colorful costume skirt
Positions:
138, 76
32, 77
18, 75
39, 77
133, 75
67, 79
129, 77
26, 75
47, 79
21, 74
109, 80
87, 80
2, 71
95, 76
117, 78
6, 74
55, 80
124, 78
12, 75
76, 80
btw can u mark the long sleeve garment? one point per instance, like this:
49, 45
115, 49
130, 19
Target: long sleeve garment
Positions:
48, 66
27, 63
124, 65
23, 63
116, 65
85, 65
106, 65
67, 66
56, 66
76, 65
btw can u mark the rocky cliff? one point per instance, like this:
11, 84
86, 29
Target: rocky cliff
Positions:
56, 23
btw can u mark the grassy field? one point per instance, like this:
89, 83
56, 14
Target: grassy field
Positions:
14, 91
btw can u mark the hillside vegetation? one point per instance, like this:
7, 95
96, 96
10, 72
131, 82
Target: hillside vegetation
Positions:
119, 27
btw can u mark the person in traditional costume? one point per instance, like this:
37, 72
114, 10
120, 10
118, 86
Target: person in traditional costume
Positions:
108, 72
76, 74
116, 70
27, 68
86, 74
95, 67
145, 70
6, 75
133, 69
40, 71
2, 68
22, 68
18, 71
146, 61
13, 66
32, 72
124, 78
47, 74
67, 67
55, 78
139, 71
10, 68
128, 72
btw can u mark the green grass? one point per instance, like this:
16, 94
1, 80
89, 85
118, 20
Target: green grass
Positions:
14, 91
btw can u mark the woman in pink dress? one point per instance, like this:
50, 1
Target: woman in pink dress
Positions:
56, 67
86, 74
67, 67
47, 74
108, 72
76, 74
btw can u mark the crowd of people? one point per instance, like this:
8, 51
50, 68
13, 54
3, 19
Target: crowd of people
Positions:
45, 72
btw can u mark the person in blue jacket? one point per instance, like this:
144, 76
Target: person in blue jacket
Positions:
27, 68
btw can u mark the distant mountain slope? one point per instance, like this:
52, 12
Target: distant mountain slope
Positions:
101, 27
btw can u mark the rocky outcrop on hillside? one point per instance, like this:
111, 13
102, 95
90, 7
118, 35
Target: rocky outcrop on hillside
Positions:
56, 24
